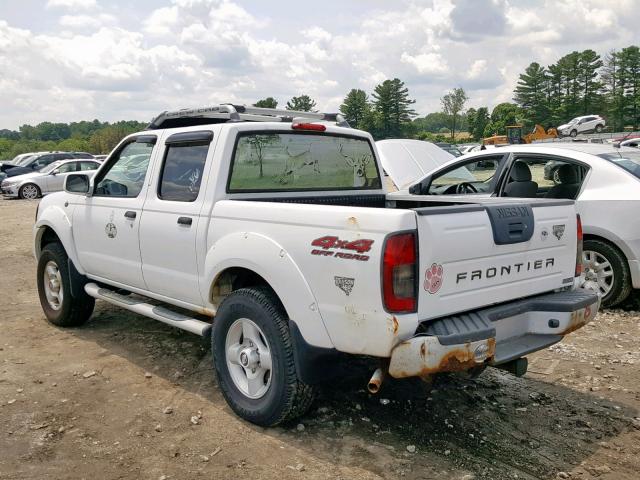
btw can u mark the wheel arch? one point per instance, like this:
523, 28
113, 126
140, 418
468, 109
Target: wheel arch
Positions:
54, 225
245, 259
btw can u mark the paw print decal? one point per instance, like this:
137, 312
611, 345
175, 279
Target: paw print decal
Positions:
433, 278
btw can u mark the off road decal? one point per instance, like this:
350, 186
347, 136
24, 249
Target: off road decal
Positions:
345, 284
331, 246
433, 278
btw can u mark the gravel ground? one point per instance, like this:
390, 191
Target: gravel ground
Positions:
128, 397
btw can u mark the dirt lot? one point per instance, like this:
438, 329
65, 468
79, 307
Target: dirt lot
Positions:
94, 402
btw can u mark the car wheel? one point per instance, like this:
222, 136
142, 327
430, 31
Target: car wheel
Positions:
253, 358
606, 271
63, 305
574, 133
599, 128
29, 191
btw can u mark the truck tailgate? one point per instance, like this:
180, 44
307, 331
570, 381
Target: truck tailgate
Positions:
481, 254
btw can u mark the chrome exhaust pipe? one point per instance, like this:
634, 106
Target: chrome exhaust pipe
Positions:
376, 381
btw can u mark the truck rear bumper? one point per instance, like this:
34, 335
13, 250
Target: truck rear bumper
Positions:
494, 335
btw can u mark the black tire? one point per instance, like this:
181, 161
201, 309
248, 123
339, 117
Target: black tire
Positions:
574, 133
621, 276
599, 128
287, 397
21, 192
75, 309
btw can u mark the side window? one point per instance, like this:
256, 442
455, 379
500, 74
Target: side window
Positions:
82, 155
88, 166
68, 167
553, 178
42, 161
477, 176
182, 172
126, 173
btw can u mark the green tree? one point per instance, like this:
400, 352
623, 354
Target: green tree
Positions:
531, 95
452, 104
392, 105
268, 102
503, 115
355, 107
480, 121
589, 64
303, 103
613, 93
629, 78
432, 122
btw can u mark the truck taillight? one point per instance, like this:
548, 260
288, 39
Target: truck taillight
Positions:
399, 265
579, 266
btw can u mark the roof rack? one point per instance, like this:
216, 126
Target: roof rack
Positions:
227, 112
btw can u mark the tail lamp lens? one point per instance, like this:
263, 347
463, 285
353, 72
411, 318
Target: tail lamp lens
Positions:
399, 273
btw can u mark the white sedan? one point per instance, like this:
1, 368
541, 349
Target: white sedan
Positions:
47, 180
604, 181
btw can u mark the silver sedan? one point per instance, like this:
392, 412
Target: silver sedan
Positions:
48, 180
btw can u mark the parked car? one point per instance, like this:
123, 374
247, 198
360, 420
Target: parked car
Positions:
629, 142
449, 148
604, 181
39, 160
584, 124
101, 158
279, 228
47, 180
464, 149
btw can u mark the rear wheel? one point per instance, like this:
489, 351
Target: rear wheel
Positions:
63, 305
29, 191
606, 271
253, 358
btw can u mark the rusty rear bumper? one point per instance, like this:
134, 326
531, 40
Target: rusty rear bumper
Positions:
493, 335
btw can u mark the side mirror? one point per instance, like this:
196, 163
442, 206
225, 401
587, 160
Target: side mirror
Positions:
77, 183
54, 173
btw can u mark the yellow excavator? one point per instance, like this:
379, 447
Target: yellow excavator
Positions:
514, 135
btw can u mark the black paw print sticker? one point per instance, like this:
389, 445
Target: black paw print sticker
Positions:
433, 278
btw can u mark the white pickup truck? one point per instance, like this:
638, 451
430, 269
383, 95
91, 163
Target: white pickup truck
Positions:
270, 231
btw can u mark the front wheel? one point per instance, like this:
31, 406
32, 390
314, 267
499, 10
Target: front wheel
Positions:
599, 128
29, 191
606, 271
253, 358
62, 305
574, 133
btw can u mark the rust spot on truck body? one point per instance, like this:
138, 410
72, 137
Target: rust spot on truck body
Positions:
396, 325
579, 319
458, 359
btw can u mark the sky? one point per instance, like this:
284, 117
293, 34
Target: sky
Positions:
71, 60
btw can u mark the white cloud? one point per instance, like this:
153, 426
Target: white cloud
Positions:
87, 21
426, 63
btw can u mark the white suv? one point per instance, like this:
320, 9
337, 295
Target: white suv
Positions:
586, 124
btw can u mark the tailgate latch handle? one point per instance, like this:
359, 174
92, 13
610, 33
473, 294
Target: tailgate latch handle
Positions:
516, 229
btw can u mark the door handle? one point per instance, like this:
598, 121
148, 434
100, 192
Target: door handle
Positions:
130, 214
185, 220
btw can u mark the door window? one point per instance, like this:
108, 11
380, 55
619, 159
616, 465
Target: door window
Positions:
182, 172
551, 177
88, 166
476, 176
125, 176
42, 161
68, 167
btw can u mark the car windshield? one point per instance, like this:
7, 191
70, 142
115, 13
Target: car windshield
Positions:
630, 161
50, 167
25, 160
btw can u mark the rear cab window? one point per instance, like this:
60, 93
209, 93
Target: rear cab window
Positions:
278, 161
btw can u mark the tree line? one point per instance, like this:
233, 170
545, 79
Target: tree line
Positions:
583, 83
579, 83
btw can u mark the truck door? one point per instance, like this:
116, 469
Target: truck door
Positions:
170, 217
106, 224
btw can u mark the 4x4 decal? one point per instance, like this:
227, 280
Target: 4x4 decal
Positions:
329, 244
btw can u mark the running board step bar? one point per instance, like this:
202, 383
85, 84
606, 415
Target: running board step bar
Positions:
156, 312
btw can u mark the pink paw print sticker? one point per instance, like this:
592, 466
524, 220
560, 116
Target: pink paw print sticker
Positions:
433, 278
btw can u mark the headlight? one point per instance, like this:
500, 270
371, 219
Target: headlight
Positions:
7, 183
